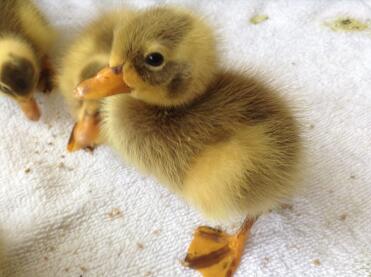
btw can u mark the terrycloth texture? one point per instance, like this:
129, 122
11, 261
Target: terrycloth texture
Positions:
91, 215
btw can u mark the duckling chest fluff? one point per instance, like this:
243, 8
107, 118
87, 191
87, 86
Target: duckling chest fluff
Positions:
235, 149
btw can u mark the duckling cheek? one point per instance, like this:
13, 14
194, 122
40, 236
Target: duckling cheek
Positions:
132, 79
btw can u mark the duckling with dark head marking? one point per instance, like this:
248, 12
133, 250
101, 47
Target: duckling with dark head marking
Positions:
25, 40
222, 140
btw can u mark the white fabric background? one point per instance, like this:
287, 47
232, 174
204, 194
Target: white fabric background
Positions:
54, 220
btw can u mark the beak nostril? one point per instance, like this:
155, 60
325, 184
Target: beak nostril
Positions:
117, 69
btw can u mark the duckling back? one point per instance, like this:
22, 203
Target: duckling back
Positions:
21, 19
9, 20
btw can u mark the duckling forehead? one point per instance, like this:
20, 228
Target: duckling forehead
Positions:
157, 25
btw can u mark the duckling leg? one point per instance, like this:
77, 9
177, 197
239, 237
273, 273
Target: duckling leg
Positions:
215, 253
47, 73
85, 133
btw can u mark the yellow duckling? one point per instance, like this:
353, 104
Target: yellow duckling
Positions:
224, 142
25, 41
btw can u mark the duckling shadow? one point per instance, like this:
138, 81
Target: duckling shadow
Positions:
5, 261
2, 253
22, 256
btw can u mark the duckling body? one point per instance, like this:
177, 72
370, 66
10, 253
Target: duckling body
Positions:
25, 41
223, 141
88, 54
233, 150
220, 139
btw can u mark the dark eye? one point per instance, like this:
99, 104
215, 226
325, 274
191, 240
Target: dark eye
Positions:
154, 59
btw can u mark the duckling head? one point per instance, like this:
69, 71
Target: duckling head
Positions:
166, 56
18, 68
19, 74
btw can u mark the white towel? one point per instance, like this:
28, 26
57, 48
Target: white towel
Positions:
92, 215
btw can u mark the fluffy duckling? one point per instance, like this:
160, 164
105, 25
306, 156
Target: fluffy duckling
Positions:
226, 143
87, 55
25, 40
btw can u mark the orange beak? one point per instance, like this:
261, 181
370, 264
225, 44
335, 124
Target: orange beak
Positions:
29, 108
107, 82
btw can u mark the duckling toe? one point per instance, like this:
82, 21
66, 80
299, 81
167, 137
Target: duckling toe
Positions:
84, 135
215, 253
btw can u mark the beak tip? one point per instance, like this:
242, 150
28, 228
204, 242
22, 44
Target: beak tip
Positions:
80, 92
30, 109
106, 83
34, 117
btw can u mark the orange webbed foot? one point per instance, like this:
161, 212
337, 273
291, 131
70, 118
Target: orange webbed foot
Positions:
85, 134
215, 253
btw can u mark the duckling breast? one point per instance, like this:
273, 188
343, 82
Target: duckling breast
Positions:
233, 150
160, 142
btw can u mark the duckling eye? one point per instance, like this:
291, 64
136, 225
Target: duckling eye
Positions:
154, 59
